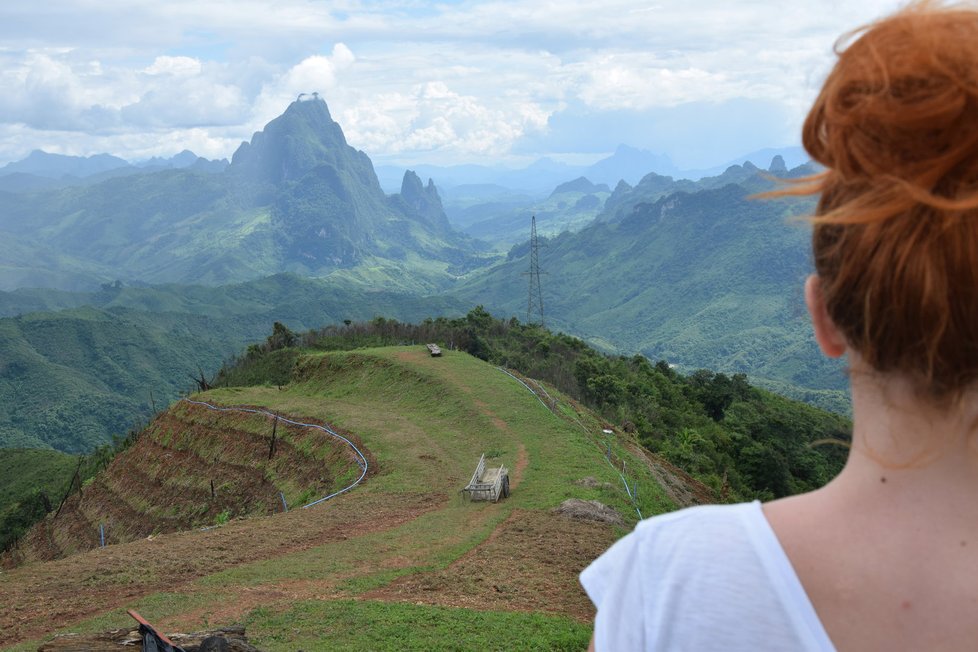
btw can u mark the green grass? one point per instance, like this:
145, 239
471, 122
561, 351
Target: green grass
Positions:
371, 625
431, 407
431, 542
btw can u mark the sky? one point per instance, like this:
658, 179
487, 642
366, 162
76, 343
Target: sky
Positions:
495, 82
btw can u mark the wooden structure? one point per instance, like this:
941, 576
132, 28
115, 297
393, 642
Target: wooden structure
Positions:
488, 484
130, 640
434, 350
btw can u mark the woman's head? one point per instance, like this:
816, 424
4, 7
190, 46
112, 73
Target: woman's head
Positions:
896, 230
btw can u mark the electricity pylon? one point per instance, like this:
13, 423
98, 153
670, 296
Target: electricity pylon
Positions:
534, 302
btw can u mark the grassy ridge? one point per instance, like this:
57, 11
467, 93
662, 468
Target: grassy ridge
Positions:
435, 400
742, 441
425, 422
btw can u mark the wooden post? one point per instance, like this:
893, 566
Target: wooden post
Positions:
70, 485
271, 447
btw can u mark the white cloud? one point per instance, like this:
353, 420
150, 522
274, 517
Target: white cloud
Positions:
316, 73
435, 118
180, 66
440, 81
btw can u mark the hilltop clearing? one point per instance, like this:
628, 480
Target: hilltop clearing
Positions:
401, 562
741, 441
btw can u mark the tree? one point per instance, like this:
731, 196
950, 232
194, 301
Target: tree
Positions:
281, 337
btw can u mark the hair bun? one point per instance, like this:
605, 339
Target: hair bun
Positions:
901, 106
895, 241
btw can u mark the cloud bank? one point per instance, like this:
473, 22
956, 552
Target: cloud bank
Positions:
418, 82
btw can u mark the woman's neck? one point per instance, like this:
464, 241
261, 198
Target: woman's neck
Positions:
910, 458
888, 551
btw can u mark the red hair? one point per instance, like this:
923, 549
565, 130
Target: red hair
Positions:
895, 236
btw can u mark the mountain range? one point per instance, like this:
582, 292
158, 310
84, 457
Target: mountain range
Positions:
296, 198
43, 171
697, 273
693, 272
540, 177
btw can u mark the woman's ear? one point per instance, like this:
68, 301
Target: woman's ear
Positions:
830, 339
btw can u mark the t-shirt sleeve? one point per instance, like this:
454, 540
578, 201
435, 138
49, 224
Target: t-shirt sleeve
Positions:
701, 579
613, 583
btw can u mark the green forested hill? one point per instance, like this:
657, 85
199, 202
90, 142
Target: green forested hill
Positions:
298, 301
23, 471
31, 484
570, 207
72, 379
703, 279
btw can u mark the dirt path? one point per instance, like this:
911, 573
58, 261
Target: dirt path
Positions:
522, 461
238, 601
530, 562
39, 596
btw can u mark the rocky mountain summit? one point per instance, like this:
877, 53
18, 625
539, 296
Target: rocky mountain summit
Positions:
296, 198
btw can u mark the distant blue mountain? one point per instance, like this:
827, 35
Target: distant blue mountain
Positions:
542, 176
185, 159
56, 166
44, 171
630, 164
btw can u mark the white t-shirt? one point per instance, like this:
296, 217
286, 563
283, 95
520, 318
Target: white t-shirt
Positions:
705, 578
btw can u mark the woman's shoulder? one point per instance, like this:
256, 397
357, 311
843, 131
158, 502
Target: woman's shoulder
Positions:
702, 528
679, 547
700, 516
705, 575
